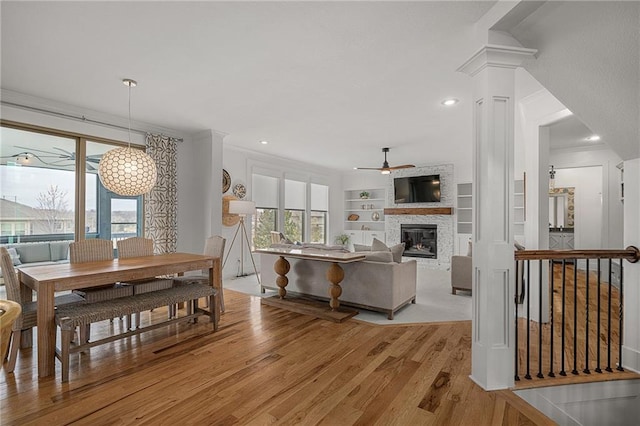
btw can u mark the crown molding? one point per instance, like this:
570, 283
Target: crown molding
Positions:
492, 55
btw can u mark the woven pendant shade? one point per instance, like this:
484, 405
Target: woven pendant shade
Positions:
127, 171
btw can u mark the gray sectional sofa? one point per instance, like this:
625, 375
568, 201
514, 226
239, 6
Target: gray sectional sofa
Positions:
41, 253
373, 285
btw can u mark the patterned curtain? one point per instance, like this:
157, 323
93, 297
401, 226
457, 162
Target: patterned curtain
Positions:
161, 204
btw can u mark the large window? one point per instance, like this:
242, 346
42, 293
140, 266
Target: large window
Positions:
319, 209
295, 204
265, 195
296, 208
41, 190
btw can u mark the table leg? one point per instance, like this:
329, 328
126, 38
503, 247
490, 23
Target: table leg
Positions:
335, 274
281, 267
215, 277
26, 337
46, 331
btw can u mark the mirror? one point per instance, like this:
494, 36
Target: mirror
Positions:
561, 208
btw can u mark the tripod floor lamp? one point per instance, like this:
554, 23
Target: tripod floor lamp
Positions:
243, 209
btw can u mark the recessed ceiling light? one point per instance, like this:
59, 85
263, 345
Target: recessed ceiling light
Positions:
593, 138
450, 102
264, 142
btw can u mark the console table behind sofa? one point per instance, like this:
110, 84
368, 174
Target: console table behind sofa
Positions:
377, 286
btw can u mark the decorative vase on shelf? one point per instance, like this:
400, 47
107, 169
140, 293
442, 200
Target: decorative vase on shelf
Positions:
364, 195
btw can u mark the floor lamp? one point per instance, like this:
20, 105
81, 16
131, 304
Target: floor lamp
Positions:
243, 209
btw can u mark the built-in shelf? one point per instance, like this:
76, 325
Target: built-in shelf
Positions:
419, 211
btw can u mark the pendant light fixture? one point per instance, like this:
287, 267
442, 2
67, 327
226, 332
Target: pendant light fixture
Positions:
127, 171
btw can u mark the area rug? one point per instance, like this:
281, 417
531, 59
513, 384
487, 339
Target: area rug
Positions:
434, 301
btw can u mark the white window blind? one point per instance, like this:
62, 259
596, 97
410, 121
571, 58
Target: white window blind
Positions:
265, 191
319, 197
295, 195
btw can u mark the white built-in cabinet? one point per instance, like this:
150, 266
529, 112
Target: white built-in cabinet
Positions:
370, 215
464, 214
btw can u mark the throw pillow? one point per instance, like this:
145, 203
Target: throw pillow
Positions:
378, 245
379, 256
15, 257
396, 252
518, 245
361, 247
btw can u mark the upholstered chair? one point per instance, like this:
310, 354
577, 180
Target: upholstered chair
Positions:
214, 247
136, 247
462, 272
28, 317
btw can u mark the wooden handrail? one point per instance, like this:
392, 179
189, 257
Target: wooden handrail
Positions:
631, 253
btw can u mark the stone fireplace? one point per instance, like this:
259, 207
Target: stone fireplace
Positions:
419, 240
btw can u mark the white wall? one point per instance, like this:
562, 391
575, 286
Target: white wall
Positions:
610, 210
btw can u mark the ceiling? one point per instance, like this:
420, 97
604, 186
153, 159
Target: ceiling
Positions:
570, 133
328, 83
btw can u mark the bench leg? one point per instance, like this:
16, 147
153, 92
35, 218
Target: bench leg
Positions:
66, 336
85, 332
214, 307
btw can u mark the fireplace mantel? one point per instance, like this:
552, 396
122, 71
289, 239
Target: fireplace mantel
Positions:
419, 211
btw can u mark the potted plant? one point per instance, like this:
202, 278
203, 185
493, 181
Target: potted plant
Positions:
342, 239
364, 195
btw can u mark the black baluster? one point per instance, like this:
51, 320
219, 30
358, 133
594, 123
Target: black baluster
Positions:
598, 369
586, 346
540, 375
552, 296
619, 368
575, 317
517, 377
609, 323
564, 282
528, 376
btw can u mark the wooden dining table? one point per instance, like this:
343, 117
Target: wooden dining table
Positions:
47, 279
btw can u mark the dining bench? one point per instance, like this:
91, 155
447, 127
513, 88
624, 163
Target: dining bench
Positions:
81, 314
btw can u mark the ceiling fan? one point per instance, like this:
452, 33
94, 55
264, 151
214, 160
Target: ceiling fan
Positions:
386, 169
62, 159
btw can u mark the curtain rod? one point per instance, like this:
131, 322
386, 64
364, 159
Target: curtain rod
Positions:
78, 118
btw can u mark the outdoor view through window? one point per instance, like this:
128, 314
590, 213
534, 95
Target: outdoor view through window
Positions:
38, 191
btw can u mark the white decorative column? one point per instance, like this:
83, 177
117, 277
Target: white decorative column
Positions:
631, 285
493, 348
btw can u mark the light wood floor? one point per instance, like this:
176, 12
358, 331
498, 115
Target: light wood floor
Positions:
267, 366
580, 331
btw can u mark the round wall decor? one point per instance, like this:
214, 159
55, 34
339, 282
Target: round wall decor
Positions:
226, 181
239, 190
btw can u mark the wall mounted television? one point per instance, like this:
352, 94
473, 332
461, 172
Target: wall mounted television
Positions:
417, 189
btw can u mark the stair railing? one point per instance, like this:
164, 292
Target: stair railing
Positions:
544, 347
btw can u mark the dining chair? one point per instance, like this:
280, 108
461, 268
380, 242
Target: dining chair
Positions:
28, 317
214, 247
136, 247
96, 250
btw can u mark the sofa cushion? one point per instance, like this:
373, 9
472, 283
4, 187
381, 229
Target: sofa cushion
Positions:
379, 256
15, 257
59, 250
361, 247
33, 252
396, 250
378, 245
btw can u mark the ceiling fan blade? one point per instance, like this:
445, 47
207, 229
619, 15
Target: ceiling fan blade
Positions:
69, 153
404, 166
28, 149
368, 168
